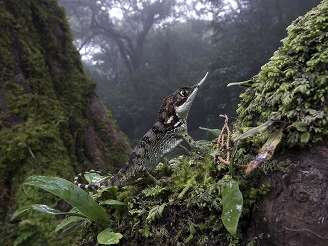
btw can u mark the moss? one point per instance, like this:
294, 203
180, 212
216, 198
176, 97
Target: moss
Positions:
44, 100
183, 207
293, 86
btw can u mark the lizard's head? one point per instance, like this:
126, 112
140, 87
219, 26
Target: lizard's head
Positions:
175, 108
184, 98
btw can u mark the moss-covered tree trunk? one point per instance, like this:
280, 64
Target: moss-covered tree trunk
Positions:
292, 88
51, 121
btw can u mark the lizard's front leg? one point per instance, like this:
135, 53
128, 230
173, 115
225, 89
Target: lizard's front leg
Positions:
191, 142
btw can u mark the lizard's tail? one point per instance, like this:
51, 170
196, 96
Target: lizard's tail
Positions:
85, 182
93, 180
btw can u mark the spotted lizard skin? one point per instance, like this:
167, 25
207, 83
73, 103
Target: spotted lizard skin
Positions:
166, 134
162, 138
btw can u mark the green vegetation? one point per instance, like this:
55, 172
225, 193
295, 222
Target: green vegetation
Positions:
293, 86
197, 200
45, 111
85, 208
188, 183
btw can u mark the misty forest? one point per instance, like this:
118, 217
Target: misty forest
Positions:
164, 122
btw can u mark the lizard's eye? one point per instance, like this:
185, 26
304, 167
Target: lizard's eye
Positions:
183, 93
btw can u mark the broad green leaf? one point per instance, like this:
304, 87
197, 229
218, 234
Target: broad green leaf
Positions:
43, 209
68, 223
108, 237
72, 194
113, 203
232, 203
156, 212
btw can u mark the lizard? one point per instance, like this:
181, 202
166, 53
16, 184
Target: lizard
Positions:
168, 132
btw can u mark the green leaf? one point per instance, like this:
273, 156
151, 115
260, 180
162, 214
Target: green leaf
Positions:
69, 223
43, 209
20, 212
305, 137
300, 126
190, 183
255, 130
192, 231
46, 209
72, 194
214, 132
156, 212
109, 237
113, 203
232, 202
154, 191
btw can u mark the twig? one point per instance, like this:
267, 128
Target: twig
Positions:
223, 142
31, 152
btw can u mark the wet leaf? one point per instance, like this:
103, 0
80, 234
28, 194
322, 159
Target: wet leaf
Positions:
70, 223
232, 202
43, 209
108, 237
72, 194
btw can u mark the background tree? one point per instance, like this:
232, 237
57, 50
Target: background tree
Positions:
100, 24
230, 39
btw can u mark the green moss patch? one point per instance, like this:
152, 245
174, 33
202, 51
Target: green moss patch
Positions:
293, 86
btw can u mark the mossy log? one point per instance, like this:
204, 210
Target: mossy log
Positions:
51, 121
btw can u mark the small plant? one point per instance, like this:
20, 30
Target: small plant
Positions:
85, 209
232, 203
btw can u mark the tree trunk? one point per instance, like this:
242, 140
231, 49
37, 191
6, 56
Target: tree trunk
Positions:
51, 121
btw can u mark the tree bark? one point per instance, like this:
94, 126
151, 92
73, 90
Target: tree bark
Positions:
51, 121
